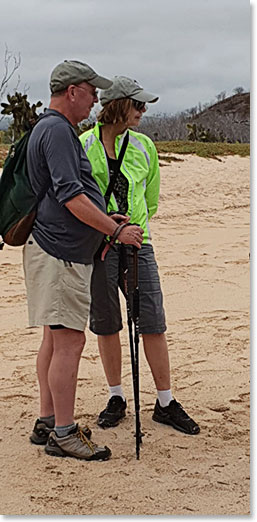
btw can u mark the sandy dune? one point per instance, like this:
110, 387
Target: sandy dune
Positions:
201, 238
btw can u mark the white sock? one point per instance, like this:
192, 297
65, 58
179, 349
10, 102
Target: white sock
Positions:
116, 390
164, 396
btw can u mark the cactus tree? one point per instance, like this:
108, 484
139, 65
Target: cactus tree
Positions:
23, 113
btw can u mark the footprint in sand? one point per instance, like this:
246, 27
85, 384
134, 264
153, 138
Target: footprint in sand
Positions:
219, 409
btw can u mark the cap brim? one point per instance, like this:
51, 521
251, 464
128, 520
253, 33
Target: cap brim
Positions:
145, 97
100, 82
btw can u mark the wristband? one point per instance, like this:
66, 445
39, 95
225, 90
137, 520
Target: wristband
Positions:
114, 237
118, 230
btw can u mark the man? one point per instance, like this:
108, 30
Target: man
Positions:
58, 256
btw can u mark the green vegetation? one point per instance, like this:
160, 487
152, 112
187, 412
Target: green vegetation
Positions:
168, 159
23, 113
204, 150
3, 153
199, 133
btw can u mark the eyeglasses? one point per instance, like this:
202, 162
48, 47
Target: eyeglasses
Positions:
94, 93
138, 105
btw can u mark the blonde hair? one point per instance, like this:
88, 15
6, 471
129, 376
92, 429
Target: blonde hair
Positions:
116, 111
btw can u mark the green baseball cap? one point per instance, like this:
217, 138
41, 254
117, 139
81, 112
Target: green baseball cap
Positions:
124, 87
74, 72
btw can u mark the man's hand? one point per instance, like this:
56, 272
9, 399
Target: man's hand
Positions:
131, 235
120, 218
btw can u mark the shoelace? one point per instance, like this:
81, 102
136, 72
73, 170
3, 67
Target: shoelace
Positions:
85, 428
85, 440
182, 412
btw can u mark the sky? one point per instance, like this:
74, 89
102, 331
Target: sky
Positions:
185, 51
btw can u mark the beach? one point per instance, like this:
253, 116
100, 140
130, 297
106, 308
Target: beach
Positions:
201, 240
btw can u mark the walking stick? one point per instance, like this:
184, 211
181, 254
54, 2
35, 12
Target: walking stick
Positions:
136, 342
133, 340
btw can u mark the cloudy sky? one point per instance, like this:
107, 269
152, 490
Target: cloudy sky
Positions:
186, 51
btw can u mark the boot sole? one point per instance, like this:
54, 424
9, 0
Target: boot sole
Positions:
156, 418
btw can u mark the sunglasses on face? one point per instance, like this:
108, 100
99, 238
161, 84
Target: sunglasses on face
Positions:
138, 105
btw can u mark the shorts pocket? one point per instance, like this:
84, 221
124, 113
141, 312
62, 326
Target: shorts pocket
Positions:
76, 276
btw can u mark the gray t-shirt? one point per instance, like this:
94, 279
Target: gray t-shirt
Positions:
57, 162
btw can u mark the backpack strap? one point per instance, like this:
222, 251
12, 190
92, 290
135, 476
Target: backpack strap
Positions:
116, 169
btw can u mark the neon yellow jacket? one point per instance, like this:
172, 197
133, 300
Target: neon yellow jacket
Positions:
141, 168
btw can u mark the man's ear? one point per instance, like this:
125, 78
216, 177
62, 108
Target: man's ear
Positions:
71, 92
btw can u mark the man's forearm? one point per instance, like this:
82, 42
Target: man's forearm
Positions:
84, 210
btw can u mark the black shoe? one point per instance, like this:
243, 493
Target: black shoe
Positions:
175, 416
41, 432
113, 413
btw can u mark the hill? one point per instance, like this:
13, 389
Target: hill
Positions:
227, 120
237, 106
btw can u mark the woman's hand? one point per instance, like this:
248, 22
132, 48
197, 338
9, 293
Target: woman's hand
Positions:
131, 235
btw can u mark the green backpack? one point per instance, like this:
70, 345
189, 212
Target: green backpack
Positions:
17, 199
18, 203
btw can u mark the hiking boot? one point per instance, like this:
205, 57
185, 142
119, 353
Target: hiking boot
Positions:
113, 413
41, 432
175, 416
76, 445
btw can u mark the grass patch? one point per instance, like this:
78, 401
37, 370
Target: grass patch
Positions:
168, 159
204, 150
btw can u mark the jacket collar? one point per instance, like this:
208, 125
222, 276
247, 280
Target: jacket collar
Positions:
119, 137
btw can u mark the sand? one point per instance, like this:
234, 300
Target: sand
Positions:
201, 238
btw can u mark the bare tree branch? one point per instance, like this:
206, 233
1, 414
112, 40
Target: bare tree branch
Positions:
12, 62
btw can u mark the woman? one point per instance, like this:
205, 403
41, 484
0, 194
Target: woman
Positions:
135, 193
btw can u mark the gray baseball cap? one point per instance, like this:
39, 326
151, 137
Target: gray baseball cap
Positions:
74, 72
123, 87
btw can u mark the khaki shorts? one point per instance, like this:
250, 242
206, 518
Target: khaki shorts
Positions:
58, 291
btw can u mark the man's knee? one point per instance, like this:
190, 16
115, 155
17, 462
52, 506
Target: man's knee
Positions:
69, 341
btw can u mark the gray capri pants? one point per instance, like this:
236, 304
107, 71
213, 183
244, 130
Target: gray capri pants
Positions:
107, 278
